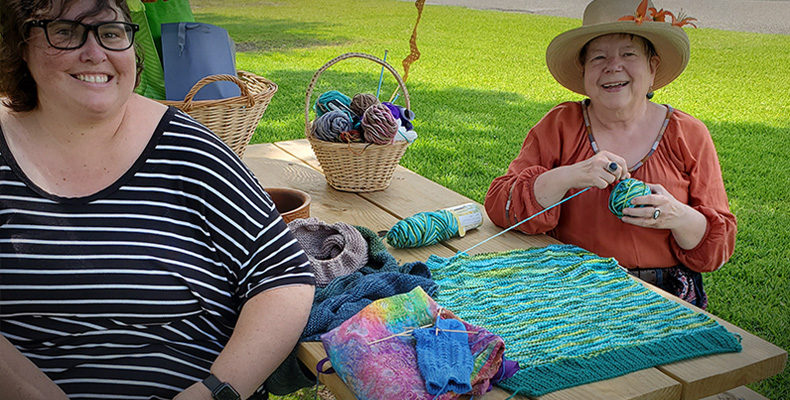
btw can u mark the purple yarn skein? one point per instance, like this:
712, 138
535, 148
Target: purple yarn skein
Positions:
398, 113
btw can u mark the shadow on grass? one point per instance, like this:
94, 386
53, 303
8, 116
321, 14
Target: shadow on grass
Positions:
268, 34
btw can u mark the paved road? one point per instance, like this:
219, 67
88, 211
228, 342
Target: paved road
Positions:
763, 16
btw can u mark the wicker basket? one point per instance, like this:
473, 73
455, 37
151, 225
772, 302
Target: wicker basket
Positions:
355, 167
233, 119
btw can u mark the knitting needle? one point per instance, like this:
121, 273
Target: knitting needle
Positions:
381, 75
411, 330
406, 332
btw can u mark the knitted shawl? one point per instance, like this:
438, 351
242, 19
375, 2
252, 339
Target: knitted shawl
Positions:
570, 317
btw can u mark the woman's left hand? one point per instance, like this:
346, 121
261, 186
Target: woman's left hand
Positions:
663, 211
660, 210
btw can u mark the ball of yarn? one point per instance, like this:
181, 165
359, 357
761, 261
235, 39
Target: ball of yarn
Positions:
352, 136
330, 101
624, 192
378, 125
361, 102
423, 229
402, 114
329, 126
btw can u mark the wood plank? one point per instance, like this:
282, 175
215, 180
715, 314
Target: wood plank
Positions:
275, 168
710, 375
645, 384
406, 186
739, 393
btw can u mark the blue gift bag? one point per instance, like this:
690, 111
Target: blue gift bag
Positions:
192, 51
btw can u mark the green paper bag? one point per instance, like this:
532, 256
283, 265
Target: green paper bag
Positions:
152, 80
163, 12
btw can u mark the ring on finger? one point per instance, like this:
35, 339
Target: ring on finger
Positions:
656, 213
612, 167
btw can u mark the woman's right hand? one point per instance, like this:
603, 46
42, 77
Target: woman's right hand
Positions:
600, 170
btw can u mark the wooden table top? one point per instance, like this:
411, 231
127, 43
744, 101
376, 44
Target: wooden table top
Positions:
293, 164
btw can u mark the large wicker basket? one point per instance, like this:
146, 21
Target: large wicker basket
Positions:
233, 119
355, 167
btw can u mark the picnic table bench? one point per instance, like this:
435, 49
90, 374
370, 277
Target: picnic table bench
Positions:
292, 164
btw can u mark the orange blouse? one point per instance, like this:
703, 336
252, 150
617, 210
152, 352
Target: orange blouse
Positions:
685, 163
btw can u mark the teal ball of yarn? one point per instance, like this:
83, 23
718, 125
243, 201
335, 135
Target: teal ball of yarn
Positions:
423, 229
624, 192
333, 100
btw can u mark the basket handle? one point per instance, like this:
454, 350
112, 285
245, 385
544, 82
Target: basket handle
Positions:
337, 60
245, 92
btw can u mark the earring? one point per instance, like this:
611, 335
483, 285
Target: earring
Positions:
650, 93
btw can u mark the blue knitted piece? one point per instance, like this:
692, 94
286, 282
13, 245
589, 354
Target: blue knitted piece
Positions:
570, 317
444, 357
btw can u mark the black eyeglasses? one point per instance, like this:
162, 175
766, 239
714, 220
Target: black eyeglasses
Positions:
63, 34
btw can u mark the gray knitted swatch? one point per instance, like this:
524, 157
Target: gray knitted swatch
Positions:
334, 250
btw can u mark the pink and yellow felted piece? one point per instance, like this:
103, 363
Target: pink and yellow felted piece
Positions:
387, 369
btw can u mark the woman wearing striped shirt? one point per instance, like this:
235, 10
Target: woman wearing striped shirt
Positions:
139, 257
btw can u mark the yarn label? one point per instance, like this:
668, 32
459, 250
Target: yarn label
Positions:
468, 215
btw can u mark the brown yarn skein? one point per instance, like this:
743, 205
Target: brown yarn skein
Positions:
378, 125
361, 102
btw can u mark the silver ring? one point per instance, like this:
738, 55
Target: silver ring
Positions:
656, 213
612, 167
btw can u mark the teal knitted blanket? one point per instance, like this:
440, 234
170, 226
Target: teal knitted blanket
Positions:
570, 317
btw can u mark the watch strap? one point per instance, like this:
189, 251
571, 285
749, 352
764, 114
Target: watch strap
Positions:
212, 383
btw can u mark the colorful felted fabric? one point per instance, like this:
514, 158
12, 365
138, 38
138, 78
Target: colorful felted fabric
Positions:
570, 317
377, 365
444, 358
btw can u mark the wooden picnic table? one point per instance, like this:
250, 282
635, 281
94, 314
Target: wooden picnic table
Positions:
293, 164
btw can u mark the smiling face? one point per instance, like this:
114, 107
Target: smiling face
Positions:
88, 79
618, 71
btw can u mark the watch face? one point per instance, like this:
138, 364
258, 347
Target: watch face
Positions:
226, 392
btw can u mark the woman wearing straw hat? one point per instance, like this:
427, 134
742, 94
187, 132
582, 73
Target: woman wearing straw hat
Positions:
622, 53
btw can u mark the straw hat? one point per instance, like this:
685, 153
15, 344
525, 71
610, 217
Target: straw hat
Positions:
601, 18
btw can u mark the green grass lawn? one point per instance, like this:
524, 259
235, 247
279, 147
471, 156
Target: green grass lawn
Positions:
481, 83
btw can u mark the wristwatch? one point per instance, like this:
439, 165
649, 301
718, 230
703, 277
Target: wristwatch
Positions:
220, 390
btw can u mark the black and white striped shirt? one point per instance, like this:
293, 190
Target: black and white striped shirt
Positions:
132, 292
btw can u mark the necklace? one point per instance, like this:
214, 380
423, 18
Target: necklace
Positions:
653, 148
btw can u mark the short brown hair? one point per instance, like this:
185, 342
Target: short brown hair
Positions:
16, 83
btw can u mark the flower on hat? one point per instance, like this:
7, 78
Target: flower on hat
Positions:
682, 20
657, 16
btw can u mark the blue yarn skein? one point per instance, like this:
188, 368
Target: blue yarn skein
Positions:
331, 101
423, 229
624, 192
329, 126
